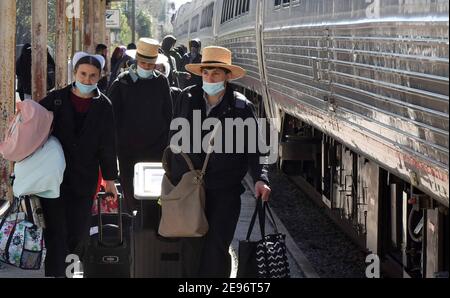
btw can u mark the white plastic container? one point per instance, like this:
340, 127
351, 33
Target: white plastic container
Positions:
147, 181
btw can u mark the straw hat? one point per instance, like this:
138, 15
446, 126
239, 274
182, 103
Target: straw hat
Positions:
147, 51
216, 57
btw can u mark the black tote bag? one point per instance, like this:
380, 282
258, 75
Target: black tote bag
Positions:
266, 258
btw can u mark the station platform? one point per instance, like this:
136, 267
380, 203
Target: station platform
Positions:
299, 265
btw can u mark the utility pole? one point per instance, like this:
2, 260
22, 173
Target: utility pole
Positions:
38, 49
7, 82
108, 39
61, 45
133, 21
77, 25
89, 26
99, 22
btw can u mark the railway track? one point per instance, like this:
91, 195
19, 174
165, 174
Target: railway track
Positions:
329, 250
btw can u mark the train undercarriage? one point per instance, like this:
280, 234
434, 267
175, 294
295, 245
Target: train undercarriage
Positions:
389, 218
406, 229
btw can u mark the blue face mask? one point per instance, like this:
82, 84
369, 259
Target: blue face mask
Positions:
145, 74
213, 88
85, 89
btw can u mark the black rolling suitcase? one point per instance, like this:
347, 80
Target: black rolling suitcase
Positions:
154, 256
109, 252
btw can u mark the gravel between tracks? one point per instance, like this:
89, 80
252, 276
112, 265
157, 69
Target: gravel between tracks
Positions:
330, 251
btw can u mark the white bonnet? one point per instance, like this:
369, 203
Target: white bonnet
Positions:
79, 55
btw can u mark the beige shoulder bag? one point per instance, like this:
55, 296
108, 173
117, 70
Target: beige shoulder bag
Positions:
183, 205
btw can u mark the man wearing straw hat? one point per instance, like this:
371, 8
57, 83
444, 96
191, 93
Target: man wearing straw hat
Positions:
209, 257
142, 108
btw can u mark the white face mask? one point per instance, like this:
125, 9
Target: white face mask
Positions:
213, 88
85, 89
145, 74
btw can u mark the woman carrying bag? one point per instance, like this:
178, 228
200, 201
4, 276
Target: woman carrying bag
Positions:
83, 123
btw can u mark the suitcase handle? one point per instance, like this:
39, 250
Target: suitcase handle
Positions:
101, 197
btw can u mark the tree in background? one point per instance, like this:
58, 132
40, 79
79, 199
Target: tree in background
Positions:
144, 20
23, 22
151, 14
144, 24
124, 37
158, 9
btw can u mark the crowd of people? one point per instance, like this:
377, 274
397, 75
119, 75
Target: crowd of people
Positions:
125, 115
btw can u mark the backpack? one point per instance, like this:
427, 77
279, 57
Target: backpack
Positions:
28, 130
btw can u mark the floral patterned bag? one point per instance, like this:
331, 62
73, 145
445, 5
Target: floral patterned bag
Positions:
21, 242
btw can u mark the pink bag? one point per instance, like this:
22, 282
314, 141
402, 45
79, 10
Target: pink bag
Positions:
28, 131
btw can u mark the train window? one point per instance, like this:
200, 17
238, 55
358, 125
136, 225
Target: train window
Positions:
223, 16
194, 24
234, 8
239, 6
244, 7
230, 12
207, 16
226, 9
286, 3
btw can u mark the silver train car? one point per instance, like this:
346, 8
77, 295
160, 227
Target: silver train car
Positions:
360, 94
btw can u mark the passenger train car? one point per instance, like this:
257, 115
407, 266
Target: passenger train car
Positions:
359, 92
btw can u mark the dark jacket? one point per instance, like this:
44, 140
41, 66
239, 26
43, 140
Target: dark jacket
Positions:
174, 93
124, 63
23, 72
178, 58
225, 170
91, 148
142, 111
195, 80
173, 73
103, 84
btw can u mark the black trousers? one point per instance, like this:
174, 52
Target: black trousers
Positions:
208, 257
126, 168
68, 220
